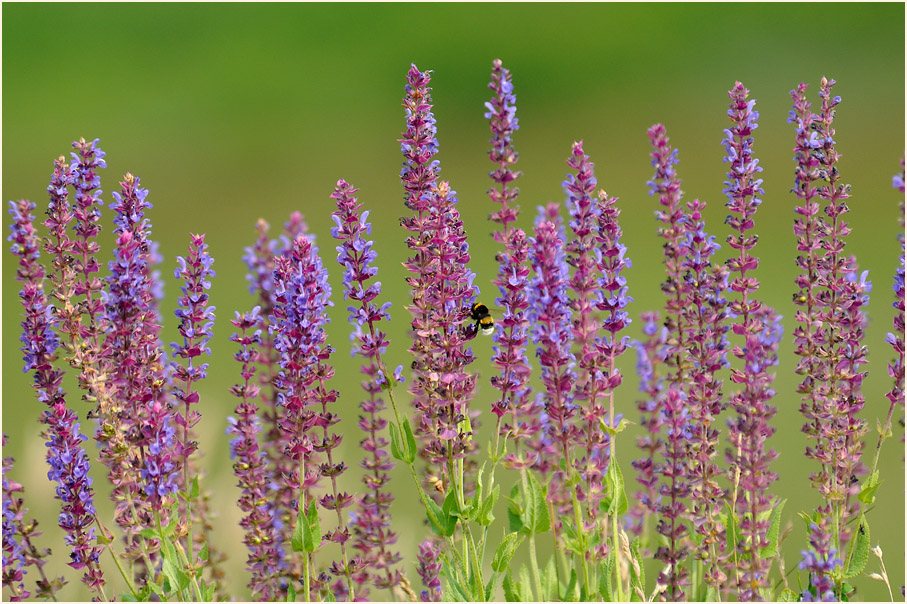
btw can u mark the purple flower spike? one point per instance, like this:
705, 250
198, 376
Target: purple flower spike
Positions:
418, 176
371, 526
896, 339
513, 272
251, 466
833, 299
549, 312
759, 326
196, 319
66, 456
430, 570
650, 355
705, 323
132, 353
820, 560
666, 185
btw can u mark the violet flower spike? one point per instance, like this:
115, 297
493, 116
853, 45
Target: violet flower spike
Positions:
513, 271
372, 524
196, 319
760, 328
14, 558
251, 466
896, 339
705, 320
66, 456
673, 470
418, 176
450, 297
650, 356
549, 311
430, 571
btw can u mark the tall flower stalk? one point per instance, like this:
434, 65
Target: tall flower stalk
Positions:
372, 534
66, 456
674, 488
760, 328
251, 467
196, 319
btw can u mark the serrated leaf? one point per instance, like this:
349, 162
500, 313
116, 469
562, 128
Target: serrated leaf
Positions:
178, 579
441, 523
774, 530
505, 551
525, 591
510, 592
549, 581
291, 592
604, 578
193, 492
637, 580
617, 501
311, 529
486, 511
148, 533
788, 596
297, 541
860, 550
536, 518
203, 554
515, 510
570, 594
453, 582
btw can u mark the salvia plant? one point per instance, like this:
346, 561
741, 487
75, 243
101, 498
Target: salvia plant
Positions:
560, 505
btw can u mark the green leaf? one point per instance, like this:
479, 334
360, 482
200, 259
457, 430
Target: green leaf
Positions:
618, 503
396, 443
454, 584
637, 580
788, 596
860, 550
774, 530
128, 598
178, 579
311, 529
486, 510
510, 590
203, 554
505, 551
160, 590
549, 581
441, 522
570, 594
291, 592
524, 590
536, 518
297, 541
868, 490
515, 510
193, 492
604, 578
148, 533
410, 442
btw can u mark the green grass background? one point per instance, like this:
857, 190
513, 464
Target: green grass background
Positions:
234, 112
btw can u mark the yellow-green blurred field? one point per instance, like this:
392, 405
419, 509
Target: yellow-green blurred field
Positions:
231, 112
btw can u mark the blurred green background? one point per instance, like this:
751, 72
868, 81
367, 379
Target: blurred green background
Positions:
234, 112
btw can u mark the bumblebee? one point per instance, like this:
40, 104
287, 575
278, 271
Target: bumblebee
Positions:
483, 318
